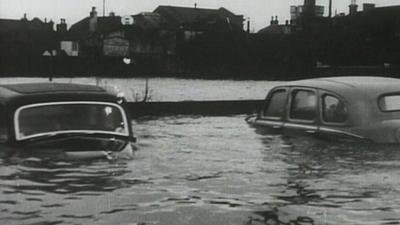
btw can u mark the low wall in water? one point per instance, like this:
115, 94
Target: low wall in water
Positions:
209, 108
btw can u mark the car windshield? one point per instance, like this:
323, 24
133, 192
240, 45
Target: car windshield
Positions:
69, 117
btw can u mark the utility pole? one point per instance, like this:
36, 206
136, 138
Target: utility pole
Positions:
104, 8
330, 8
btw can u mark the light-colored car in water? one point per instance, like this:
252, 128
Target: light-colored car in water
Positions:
80, 121
363, 108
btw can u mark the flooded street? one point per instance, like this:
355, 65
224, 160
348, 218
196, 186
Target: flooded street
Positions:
208, 170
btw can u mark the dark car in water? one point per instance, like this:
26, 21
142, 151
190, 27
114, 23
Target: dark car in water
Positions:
77, 120
363, 108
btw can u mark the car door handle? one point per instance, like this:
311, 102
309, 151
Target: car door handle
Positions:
311, 131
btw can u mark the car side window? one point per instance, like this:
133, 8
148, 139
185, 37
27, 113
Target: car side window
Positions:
303, 105
3, 126
333, 109
275, 106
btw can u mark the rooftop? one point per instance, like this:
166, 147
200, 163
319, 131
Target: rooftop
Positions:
105, 24
9, 26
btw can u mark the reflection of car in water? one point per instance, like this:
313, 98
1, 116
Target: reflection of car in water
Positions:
364, 108
81, 120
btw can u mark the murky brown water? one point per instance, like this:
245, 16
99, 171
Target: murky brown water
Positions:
208, 170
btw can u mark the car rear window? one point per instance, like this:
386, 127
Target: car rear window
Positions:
334, 110
303, 105
390, 103
276, 104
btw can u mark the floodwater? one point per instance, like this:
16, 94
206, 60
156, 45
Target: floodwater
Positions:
208, 170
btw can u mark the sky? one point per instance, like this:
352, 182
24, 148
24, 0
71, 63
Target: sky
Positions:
259, 12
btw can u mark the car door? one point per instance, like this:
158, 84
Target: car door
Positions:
302, 112
334, 122
273, 113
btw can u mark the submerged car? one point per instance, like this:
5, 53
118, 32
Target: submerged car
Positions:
78, 120
363, 108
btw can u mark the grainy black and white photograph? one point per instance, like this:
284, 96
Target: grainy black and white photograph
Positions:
199, 112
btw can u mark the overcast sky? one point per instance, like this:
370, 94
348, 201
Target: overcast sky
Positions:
259, 11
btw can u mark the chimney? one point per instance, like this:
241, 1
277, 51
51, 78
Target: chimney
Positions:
276, 20
51, 24
112, 14
93, 13
272, 20
93, 20
195, 5
61, 27
353, 7
248, 26
368, 6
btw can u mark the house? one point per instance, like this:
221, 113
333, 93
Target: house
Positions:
68, 45
148, 33
147, 20
194, 21
116, 36
378, 21
158, 39
275, 28
309, 8
151, 38
20, 38
96, 36
372, 35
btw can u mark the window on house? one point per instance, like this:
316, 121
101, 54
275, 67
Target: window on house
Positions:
333, 109
303, 105
74, 46
275, 107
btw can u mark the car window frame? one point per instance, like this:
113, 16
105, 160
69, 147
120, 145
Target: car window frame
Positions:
322, 94
16, 130
289, 105
268, 101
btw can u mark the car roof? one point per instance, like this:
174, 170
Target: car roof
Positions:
352, 85
37, 92
30, 88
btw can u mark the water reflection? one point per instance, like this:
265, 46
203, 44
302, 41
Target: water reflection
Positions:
30, 187
272, 218
68, 177
326, 177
